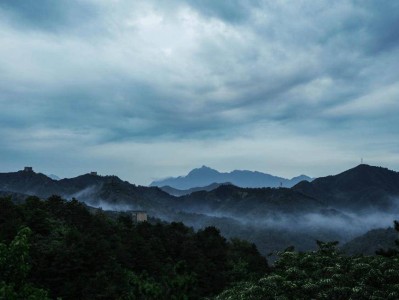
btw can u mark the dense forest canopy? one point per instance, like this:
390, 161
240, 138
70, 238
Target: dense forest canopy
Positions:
59, 247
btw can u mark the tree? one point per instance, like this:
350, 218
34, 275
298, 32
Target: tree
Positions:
323, 274
14, 269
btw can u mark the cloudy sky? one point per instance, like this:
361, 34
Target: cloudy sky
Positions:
148, 89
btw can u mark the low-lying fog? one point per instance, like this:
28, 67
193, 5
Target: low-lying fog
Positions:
347, 223
275, 231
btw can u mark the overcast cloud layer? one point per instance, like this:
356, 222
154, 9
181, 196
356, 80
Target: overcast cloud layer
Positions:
147, 89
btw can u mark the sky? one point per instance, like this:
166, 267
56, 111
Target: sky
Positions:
150, 89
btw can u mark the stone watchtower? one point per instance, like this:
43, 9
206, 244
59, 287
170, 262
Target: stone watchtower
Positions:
28, 169
139, 216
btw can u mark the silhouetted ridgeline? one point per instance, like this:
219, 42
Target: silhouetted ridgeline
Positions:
361, 188
205, 176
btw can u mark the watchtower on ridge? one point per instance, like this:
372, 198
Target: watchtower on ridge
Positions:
139, 216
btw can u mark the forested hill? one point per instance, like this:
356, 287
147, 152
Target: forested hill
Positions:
96, 190
58, 248
113, 193
248, 202
360, 188
372, 241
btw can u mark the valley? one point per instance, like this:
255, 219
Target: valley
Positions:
340, 207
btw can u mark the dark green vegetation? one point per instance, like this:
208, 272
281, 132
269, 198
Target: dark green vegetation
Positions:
60, 249
14, 270
55, 248
324, 274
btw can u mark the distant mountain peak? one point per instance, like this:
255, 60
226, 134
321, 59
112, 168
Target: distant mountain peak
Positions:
205, 176
203, 169
360, 187
302, 177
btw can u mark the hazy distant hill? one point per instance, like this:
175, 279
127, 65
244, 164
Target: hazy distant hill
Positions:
361, 188
205, 176
178, 193
372, 241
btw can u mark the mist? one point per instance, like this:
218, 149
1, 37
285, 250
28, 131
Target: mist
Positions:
86, 193
90, 196
278, 230
271, 230
101, 204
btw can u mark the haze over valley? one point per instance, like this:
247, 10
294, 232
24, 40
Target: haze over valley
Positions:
339, 207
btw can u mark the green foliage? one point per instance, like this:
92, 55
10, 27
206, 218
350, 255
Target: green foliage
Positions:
14, 268
323, 274
245, 261
75, 254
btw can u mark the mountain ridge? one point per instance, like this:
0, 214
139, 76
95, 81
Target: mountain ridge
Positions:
363, 186
89, 188
204, 176
260, 214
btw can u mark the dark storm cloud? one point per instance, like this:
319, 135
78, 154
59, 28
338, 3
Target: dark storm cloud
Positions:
234, 11
48, 14
101, 72
380, 23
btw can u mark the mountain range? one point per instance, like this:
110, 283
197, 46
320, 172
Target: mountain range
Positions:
205, 176
340, 207
110, 191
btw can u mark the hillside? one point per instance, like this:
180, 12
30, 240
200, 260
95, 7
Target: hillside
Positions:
242, 178
248, 202
361, 188
176, 192
371, 241
108, 191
